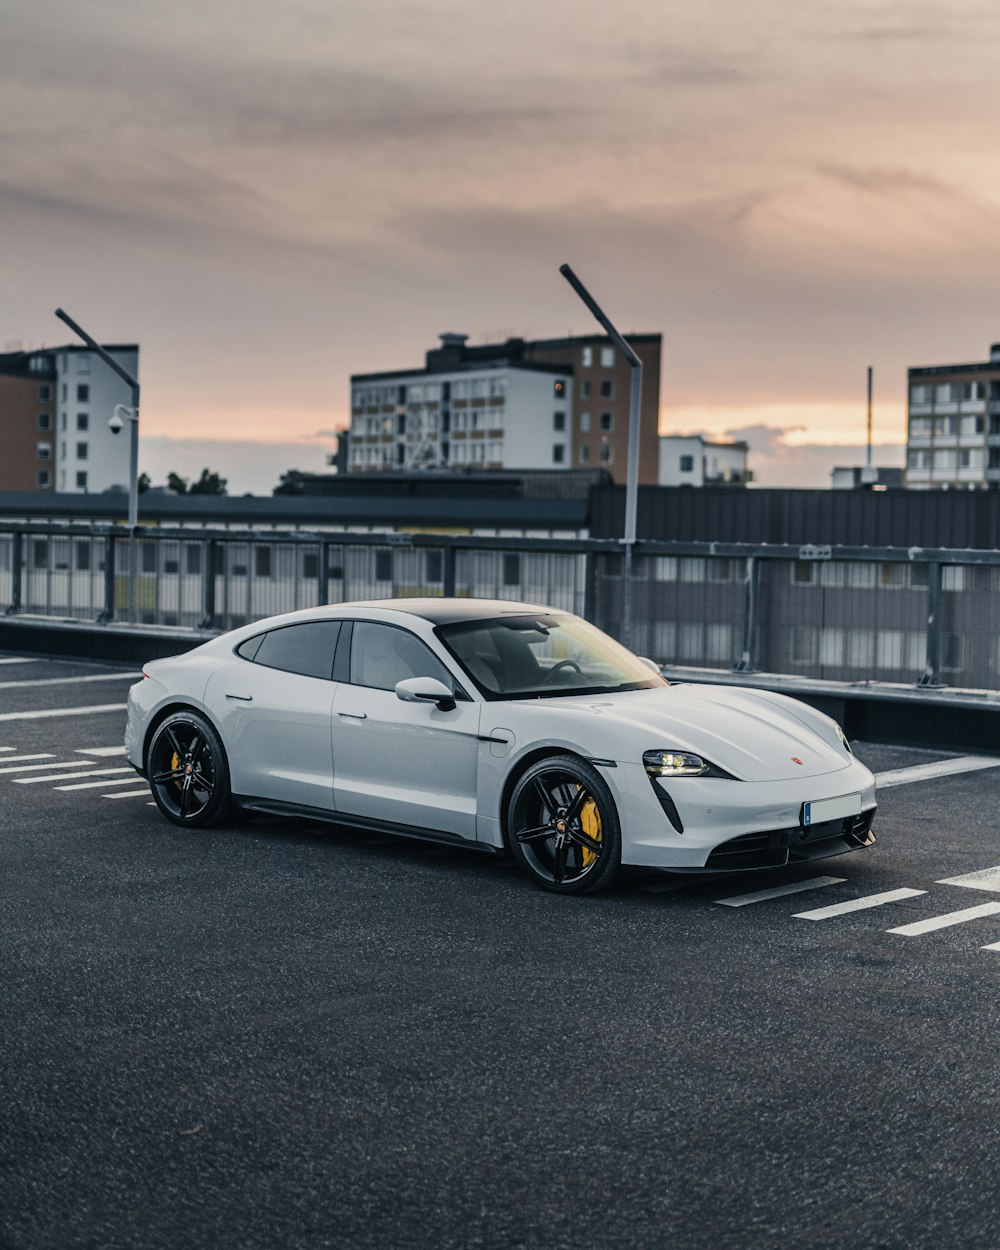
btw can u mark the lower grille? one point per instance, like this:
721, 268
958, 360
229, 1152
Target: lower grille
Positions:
777, 847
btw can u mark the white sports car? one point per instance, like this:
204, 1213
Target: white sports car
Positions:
504, 727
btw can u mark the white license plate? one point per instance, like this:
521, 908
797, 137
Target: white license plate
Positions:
831, 809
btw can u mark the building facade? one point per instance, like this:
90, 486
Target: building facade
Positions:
953, 426
690, 460
55, 404
548, 404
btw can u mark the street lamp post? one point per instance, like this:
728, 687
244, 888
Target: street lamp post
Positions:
133, 420
632, 474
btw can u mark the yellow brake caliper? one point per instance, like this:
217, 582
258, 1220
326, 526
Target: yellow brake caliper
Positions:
175, 763
590, 823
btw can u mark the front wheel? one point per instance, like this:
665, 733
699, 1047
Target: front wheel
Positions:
188, 772
563, 826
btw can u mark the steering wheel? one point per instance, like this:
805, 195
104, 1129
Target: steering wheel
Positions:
561, 664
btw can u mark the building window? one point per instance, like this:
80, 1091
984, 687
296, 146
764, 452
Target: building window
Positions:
43, 479
687, 464
43, 451
83, 393
81, 480
584, 453
62, 450
584, 422
607, 389
62, 421
83, 362
45, 420
65, 392
559, 388
44, 393
607, 357
946, 393
558, 453
559, 421
973, 390
607, 423
587, 357
606, 453
81, 451
83, 420
585, 388
920, 394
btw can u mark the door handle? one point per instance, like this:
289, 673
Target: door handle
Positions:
353, 715
242, 698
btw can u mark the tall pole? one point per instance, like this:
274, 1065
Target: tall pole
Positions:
868, 460
632, 473
133, 483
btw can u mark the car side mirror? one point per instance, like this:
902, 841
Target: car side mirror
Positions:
426, 690
651, 664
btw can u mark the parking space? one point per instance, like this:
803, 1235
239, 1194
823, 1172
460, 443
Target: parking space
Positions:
276, 1033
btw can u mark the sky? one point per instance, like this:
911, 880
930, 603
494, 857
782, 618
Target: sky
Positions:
269, 198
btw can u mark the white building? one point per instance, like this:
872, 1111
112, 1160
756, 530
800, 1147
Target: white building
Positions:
89, 457
690, 460
499, 416
953, 424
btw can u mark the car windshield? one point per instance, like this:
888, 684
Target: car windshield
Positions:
543, 655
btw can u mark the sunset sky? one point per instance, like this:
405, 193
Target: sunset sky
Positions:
270, 197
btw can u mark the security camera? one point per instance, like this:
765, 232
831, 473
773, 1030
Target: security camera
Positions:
116, 424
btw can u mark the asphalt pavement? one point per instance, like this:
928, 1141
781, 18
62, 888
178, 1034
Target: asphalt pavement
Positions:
280, 1035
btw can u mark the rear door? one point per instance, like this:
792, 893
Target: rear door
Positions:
274, 704
406, 763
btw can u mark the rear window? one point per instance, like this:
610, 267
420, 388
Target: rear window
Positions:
307, 649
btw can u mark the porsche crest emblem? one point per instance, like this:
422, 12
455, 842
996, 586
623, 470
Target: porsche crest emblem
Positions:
796, 760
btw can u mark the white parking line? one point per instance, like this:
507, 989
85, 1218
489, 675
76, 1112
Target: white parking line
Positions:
795, 887
18, 659
39, 755
939, 768
70, 681
88, 772
51, 712
102, 751
96, 785
857, 904
47, 768
131, 794
984, 879
950, 918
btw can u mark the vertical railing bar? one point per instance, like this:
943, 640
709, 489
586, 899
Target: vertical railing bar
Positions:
930, 675
747, 660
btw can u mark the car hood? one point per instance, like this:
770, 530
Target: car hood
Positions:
754, 734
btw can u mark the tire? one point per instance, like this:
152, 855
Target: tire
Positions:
188, 771
563, 827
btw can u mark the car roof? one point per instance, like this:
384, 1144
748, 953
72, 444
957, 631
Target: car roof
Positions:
449, 611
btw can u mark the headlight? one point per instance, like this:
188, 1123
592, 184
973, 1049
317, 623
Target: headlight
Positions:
843, 738
674, 764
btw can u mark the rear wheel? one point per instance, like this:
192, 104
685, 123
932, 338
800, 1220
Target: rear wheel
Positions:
563, 826
188, 772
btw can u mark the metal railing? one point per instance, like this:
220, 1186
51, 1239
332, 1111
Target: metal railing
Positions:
915, 616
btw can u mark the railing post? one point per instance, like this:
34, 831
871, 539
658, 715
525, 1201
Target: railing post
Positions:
208, 587
748, 659
16, 571
448, 571
589, 586
930, 676
107, 613
323, 573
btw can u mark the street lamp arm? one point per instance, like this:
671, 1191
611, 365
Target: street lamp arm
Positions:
599, 313
108, 359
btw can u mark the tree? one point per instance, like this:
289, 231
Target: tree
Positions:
208, 484
178, 484
143, 483
290, 484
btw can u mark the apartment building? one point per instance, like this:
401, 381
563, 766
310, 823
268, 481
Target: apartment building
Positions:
55, 404
547, 404
690, 460
953, 426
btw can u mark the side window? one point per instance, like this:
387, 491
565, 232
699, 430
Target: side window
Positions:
307, 649
381, 655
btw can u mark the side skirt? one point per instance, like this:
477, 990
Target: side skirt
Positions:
276, 807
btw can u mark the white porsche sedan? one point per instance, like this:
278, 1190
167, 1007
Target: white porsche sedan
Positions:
503, 727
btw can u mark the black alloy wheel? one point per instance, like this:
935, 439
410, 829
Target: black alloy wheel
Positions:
563, 826
188, 772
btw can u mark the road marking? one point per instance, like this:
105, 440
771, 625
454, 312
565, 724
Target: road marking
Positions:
64, 711
857, 904
950, 918
89, 772
939, 768
131, 794
101, 750
122, 781
19, 659
984, 879
795, 887
39, 755
70, 681
34, 768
